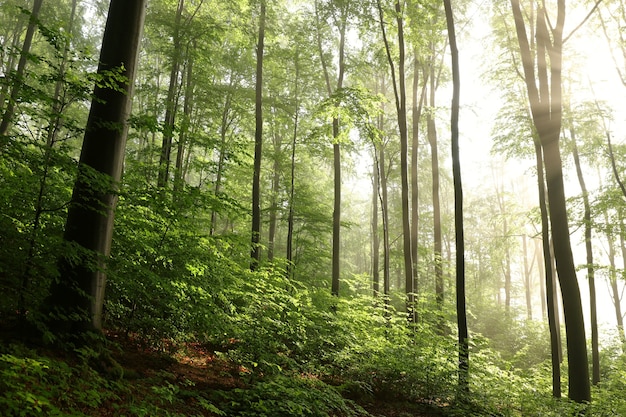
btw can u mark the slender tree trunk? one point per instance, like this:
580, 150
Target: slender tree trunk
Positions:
221, 158
551, 299
545, 104
434, 161
89, 227
384, 205
274, 197
179, 177
527, 281
416, 113
51, 138
542, 280
9, 63
18, 77
292, 185
399, 89
463, 335
595, 350
171, 101
507, 249
616, 295
343, 23
258, 146
375, 235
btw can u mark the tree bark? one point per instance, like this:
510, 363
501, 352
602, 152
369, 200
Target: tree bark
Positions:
343, 23
171, 101
51, 138
461, 310
77, 297
527, 280
183, 137
375, 234
399, 88
258, 146
550, 278
416, 113
271, 233
434, 161
595, 350
292, 184
17, 78
545, 104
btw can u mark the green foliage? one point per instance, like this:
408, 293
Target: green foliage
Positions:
33, 385
289, 396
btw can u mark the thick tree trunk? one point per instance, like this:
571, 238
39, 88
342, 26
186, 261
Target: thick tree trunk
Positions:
258, 147
17, 78
545, 104
78, 295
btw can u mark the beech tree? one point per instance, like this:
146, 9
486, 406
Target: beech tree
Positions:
461, 311
542, 74
258, 144
399, 88
76, 298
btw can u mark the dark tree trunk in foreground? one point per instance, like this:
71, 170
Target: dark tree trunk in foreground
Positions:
258, 146
461, 311
545, 104
77, 297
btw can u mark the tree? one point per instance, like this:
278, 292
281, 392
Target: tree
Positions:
18, 76
258, 145
461, 311
595, 353
399, 89
342, 24
76, 298
545, 105
434, 158
171, 101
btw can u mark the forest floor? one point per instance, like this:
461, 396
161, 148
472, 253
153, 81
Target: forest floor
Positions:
175, 381
198, 368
